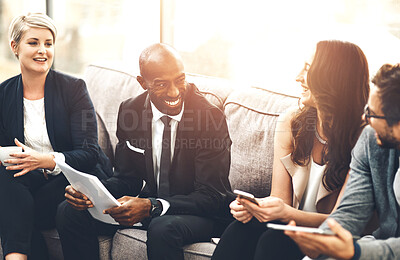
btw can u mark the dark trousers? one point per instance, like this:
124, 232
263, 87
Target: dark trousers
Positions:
28, 204
255, 241
165, 234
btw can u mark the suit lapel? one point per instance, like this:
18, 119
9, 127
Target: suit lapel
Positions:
20, 111
147, 118
178, 140
49, 99
186, 120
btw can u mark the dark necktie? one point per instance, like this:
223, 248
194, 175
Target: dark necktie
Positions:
165, 163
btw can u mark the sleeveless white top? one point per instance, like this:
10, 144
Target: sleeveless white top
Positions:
309, 200
308, 189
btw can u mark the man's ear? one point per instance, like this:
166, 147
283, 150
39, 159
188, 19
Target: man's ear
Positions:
141, 81
396, 131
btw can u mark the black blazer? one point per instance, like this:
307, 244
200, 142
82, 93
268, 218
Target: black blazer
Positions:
199, 172
70, 119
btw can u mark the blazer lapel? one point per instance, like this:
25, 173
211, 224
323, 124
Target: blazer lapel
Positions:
299, 176
178, 141
147, 117
20, 111
49, 99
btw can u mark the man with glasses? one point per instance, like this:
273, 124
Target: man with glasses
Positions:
175, 142
374, 183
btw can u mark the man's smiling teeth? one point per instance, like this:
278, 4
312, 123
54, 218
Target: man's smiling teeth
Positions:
172, 103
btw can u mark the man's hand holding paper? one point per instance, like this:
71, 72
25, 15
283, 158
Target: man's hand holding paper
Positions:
131, 211
78, 200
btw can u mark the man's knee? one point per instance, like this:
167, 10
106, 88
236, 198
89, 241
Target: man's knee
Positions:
67, 216
165, 230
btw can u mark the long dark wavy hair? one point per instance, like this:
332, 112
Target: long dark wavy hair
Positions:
338, 79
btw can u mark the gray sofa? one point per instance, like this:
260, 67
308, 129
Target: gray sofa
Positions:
251, 114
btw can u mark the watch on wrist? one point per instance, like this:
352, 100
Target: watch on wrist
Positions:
156, 208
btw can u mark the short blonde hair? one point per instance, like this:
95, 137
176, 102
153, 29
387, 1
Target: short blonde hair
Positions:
20, 24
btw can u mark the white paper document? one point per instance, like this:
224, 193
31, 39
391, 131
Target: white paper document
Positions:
92, 187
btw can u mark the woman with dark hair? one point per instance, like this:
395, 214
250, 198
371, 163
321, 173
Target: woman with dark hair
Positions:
312, 149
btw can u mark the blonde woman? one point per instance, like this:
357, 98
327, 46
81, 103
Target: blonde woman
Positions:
50, 115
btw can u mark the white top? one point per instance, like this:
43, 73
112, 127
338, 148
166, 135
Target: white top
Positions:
157, 130
308, 202
396, 186
35, 131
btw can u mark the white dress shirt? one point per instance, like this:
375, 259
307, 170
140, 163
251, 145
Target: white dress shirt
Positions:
157, 130
35, 130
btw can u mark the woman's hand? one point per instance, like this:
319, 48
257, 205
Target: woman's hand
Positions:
29, 160
239, 212
270, 208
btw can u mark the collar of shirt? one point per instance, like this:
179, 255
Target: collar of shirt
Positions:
157, 114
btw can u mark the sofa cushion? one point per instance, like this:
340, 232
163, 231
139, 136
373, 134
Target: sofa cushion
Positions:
132, 243
251, 116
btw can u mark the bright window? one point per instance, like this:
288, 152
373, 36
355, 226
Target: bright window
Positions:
265, 43
254, 42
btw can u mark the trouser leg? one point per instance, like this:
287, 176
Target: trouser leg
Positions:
167, 234
274, 244
17, 210
47, 198
239, 241
78, 232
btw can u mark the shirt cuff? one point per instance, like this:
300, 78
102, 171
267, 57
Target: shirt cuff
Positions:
357, 251
165, 206
57, 170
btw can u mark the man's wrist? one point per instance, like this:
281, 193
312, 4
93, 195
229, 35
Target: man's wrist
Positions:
155, 208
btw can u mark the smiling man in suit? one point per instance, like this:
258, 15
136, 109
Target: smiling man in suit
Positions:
172, 140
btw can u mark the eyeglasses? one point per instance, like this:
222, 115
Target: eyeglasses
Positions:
367, 114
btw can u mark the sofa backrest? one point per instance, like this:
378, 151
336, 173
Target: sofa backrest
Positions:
251, 116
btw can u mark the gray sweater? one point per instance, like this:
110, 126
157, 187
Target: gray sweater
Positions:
370, 188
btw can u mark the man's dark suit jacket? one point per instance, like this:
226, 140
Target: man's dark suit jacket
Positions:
70, 119
199, 172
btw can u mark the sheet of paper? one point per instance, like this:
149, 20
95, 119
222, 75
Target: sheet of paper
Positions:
92, 187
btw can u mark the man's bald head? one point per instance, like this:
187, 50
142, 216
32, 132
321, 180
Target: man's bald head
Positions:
159, 53
162, 75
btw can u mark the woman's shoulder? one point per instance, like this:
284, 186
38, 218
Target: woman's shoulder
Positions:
283, 130
10, 82
61, 77
286, 117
